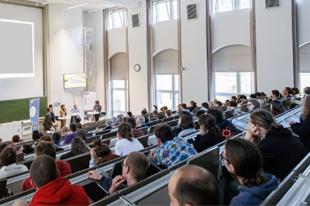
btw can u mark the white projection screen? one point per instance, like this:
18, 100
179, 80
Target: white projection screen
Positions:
17, 49
21, 51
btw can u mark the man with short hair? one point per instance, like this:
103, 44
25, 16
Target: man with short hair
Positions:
184, 107
72, 134
159, 116
81, 134
52, 189
243, 99
287, 92
193, 186
253, 96
140, 122
135, 132
204, 106
119, 119
48, 122
134, 170
75, 119
8, 159
52, 112
48, 148
168, 113
108, 124
129, 114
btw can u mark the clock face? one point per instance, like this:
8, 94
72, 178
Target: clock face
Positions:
137, 67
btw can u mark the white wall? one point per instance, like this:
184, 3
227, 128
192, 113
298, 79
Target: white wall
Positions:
274, 46
303, 21
194, 54
17, 88
137, 38
165, 36
66, 53
117, 41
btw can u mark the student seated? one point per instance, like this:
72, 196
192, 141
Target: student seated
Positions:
168, 113
243, 159
15, 140
281, 150
193, 106
52, 189
126, 143
193, 185
159, 116
8, 160
209, 134
186, 125
232, 105
297, 95
252, 105
129, 114
81, 134
264, 96
135, 132
227, 129
78, 147
48, 148
275, 94
134, 170
100, 153
57, 139
253, 96
227, 103
35, 135
287, 92
198, 114
72, 134
303, 129
204, 106
258, 95
2, 146
141, 122
65, 130
218, 104
155, 112
276, 108
170, 149
48, 138
233, 98
26, 149
243, 100
184, 108
79, 126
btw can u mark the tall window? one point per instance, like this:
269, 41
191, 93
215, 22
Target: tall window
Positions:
117, 19
164, 10
167, 91
229, 5
119, 97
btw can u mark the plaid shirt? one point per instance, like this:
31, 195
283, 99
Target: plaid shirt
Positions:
174, 151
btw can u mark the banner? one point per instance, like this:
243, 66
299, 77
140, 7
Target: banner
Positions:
34, 113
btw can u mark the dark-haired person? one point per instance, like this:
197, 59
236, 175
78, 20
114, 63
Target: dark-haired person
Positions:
8, 160
48, 138
79, 126
78, 147
258, 95
100, 153
135, 132
134, 170
193, 186
227, 128
168, 113
155, 113
232, 105
276, 108
15, 140
57, 139
296, 96
97, 108
264, 97
186, 125
184, 108
227, 103
243, 99
48, 123
287, 92
25, 149
253, 96
159, 116
81, 134
72, 134
252, 105
209, 134
48, 148
63, 113
302, 129
275, 94
126, 143
281, 150
204, 106
218, 104
243, 159
170, 149
35, 135
129, 114
193, 106
233, 98
52, 189
3, 145
198, 114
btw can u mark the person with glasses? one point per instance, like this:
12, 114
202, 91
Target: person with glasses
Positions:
244, 161
252, 105
134, 169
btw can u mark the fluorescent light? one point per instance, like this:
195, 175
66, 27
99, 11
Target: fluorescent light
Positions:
72, 7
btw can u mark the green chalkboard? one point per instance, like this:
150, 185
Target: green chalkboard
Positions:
18, 109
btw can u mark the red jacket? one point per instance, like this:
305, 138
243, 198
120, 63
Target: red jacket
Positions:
63, 167
60, 192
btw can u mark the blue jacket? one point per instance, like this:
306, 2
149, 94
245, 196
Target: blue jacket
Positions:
257, 194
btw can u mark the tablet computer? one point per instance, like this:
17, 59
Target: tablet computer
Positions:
95, 191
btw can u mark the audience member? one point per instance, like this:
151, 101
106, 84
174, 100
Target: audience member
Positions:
79, 126
48, 138
72, 134
15, 140
253, 96
135, 132
35, 135
297, 96
119, 119
129, 114
258, 95
276, 108
78, 147
161, 109
168, 113
275, 94
264, 96
48, 148
170, 149
227, 102
57, 139
281, 150
209, 134
261, 102
155, 113
65, 130
140, 122
193, 106
159, 116
2, 146
218, 104
302, 129
134, 170
232, 105
100, 153
211, 104
204, 106
252, 105
243, 159
52, 188
114, 122
184, 108
186, 124
287, 92
126, 143
81, 134
215, 100
233, 98
8, 160
243, 100
193, 185
227, 129
108, 124
26, 149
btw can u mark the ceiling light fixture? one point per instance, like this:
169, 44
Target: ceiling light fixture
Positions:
72, 7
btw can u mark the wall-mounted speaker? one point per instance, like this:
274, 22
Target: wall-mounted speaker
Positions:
135, 20
192, 11
272, 3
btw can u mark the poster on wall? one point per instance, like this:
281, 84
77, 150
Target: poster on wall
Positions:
34, 113
89, 99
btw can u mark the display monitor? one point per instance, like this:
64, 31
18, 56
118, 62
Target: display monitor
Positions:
74, 80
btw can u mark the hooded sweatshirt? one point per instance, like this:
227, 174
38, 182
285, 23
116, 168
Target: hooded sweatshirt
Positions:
255, 195
227, 129
12, 169
63, 167
281, 152
60, 192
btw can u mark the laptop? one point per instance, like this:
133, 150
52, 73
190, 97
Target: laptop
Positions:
95, 191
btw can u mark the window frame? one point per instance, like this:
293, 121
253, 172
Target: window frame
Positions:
235, 5
111, 17
170, 11
126, 97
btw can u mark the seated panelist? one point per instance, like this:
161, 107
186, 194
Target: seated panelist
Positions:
63, 113
75, 110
